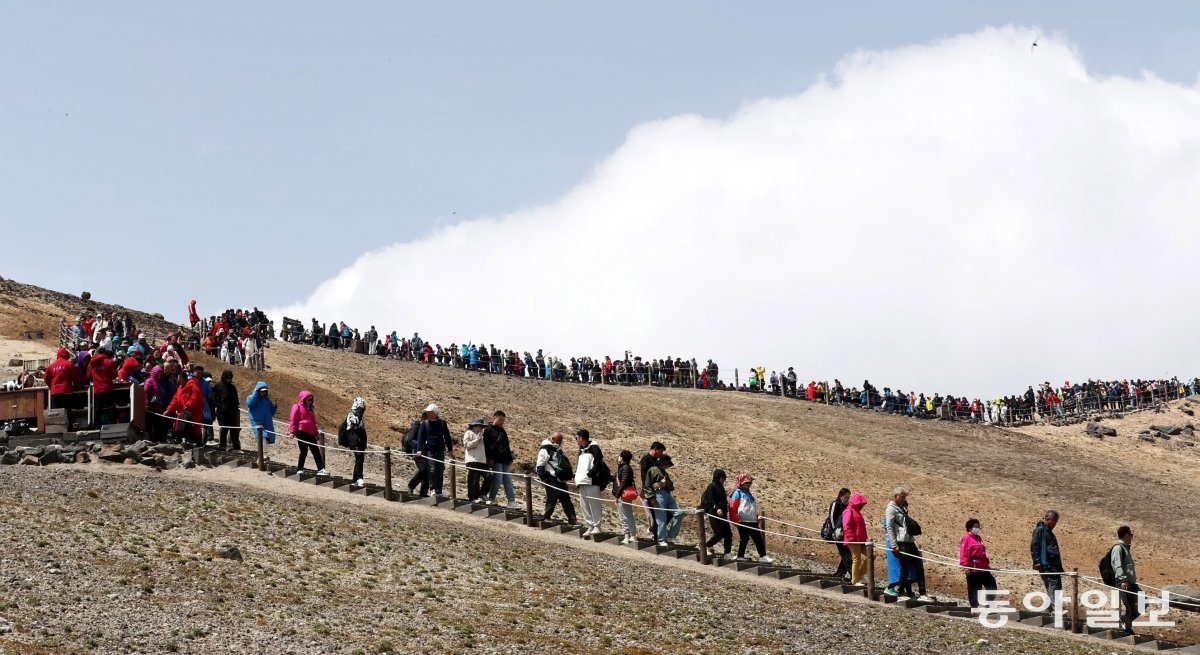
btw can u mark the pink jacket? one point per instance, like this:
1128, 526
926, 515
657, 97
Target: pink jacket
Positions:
854, 526
302, 418
972, 553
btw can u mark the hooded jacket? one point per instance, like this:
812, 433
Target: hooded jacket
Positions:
972, 553
261, 412
302, 419
62, 376
129, 369
189, 397
588, 456
854, 526
473, 447
101, 372
714, 497
225, 401
742, 506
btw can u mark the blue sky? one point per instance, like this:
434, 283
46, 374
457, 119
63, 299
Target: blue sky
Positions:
241, 153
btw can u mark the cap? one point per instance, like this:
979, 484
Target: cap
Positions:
433, 408
141, 335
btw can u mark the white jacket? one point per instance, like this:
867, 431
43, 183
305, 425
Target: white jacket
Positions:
473, 444
584, 465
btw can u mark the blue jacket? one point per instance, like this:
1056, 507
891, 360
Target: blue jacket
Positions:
208, 398
473, 354
262, 412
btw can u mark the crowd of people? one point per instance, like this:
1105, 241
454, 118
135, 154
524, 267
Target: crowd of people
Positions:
1042, 402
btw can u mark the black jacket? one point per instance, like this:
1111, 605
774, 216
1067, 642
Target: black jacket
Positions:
495, 445
227, 404
714, 499
646, 463
433, 438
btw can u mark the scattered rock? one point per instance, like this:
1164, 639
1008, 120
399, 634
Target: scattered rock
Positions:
1169, 430
1146, 437
158, 316
1106, 431
16, 362
1187, 410
6, 626
82, 457
230, 552
30, 460
86, 295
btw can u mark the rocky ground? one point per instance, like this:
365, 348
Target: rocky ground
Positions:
106, 558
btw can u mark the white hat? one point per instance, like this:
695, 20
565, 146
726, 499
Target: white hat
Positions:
433, 408
141, 335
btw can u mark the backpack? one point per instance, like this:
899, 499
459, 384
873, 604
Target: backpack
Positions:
558, 464
343, 435
1107, 574
410, 437
600, 474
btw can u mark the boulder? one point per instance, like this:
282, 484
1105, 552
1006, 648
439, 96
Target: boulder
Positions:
137, 450
16, 362
51, 455
230, 552
1108, 432
30, 460
85, 296
1170, 430
1092, 428
1187, 410
10, 457
1146, 437
1186, 594
166, 449
129, 460
82, 457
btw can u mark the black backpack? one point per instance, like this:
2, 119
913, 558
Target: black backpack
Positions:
343, 435
1107, 574
410, 438
600, 474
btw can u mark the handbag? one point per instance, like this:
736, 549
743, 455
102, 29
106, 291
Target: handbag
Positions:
914, 528
629, 494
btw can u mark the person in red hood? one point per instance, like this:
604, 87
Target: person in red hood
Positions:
101, 372
129, 368
854, 534
62, 376
193, 315
188, 405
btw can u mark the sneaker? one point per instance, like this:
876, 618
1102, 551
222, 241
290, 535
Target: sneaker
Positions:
766, 559
489, 501
662, 544
322, 472
925, 598
739, 559
728, 557
708, 551
890, 592
359, 483
512, 504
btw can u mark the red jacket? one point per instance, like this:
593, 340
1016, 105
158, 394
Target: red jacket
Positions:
101, 372
62, 376
190, 397
128, 366
854, 526
192, 315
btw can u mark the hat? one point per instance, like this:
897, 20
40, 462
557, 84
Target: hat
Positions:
262, 388
433, 408
665, 460
476, 421
141, 335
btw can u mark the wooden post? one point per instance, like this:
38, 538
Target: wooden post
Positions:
871, 571
453, 482
1074, 600
736, 385
262, 466
530, 521
321, 440
387, 473
703, 537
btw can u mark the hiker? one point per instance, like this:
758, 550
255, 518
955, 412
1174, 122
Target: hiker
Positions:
715, 503
834, 532
626, 491
188, 406
1047, 559
500, 456
355, 438
421, 477
553, 469
302, 426
591, 473
225, 407
261, 410
656, 451
475, 455
1125, 576
62, 377
972, 555
659, 484
854, 534
744, 509
903, 530
435, 444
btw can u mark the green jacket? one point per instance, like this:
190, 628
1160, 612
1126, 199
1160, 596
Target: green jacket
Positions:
658, 480
1123, 567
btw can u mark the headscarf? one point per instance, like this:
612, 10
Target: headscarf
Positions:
354, 418
743, 478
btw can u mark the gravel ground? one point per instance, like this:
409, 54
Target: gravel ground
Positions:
105, 558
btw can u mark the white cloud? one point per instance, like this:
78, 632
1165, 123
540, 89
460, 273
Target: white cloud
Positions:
964, 216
